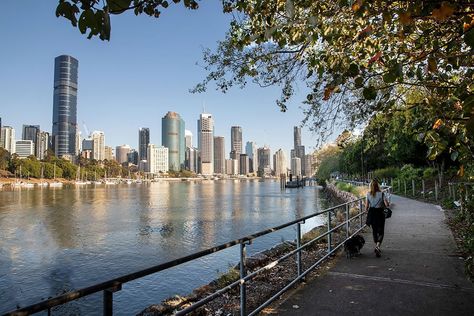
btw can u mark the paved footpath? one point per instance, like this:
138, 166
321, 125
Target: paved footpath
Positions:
419, 272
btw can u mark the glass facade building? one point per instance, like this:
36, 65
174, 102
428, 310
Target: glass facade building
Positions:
143, 142
65, 105
172, 137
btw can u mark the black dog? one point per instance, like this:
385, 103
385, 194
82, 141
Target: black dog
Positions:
353, 245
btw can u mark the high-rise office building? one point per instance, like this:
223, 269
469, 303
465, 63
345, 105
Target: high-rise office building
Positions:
0, 128
279, 163
219, 155
7, 139
296, 136
172, 137
143, 141
308, 165
231, 167
157, 159
108, 153
236, 141
121, 153
24, 148
98, 145
206, 143
244, 164
251, 151
264, 159
31, 132
44, 143
188, 136
65, 105
296, 167
298, 150
191, 159
132, 157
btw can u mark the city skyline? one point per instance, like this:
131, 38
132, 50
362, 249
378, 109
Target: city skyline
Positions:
119, 97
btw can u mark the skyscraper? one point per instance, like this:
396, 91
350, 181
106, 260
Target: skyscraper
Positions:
98, 145
32, 132
236, 141
206, 143
188, 138
296, 136
219, 155
244, 164
251, 151
44, 143
298, 150
157, 159
172, 137
264, 167
143, 141
7, 139
65, 105
279, 163
296, 167
121, 153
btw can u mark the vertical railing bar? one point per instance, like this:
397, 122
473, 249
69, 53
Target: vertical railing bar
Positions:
329, 234
298, 245
49, 311
347, 220
360, 213
243, 286
108, 303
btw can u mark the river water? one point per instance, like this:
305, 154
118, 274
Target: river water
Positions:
57, 239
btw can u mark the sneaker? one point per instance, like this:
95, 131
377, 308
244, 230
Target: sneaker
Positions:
378, 252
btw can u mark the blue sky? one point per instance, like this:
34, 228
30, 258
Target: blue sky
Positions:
132, 81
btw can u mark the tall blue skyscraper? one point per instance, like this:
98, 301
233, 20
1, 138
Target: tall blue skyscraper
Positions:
172, 137
143, 142
65, 105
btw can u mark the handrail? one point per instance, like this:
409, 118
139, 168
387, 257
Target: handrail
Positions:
115, 284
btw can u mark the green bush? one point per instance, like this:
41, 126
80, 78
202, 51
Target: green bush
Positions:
429, 173
408, 173
386, 173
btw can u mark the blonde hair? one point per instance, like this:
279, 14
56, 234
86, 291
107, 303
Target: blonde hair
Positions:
374, 187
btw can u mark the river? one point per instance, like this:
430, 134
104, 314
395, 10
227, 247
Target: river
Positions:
57, 239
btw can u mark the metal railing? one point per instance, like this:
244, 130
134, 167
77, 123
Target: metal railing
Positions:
114, 285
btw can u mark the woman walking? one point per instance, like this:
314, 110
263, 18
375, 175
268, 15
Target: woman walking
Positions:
374, 205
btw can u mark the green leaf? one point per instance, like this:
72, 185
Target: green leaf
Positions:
353, 70
370, 93
454, 155
469, 38
118, 6
359, 82
87, 20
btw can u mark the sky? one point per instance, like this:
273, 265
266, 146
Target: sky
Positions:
132, 81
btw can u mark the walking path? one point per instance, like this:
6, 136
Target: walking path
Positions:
419, 273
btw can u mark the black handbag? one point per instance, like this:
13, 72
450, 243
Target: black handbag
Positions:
387, 212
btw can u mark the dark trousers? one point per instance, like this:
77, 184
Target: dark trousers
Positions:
376, 219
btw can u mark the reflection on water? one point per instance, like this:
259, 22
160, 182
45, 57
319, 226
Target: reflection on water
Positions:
55, 240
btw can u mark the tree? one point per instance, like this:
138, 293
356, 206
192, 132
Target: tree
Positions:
4, 158
356, 58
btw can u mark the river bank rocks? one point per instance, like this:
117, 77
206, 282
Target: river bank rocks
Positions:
337, 196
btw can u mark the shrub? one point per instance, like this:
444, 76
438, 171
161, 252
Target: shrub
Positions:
385, 173
429, 173
408, 172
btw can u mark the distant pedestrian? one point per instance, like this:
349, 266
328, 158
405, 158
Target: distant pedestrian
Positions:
374, 205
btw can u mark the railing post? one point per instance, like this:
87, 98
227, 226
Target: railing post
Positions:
243, 286
360, 213
398, 187
436, 190
405, 186
413, 186
298, 245
347, 220
108, 303
329, 234
423, 187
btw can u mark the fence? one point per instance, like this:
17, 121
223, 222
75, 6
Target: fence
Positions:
457, 191
351, 225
